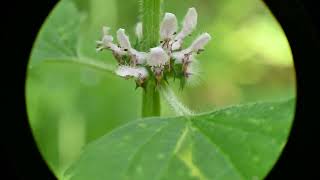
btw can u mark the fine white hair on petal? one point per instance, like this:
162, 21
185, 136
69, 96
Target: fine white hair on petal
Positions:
123, 39
169, 26
193, 67
138, 30
200, 42
194, 72
157, 57
136, 72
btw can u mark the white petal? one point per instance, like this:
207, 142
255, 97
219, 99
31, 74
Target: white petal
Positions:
178, 56
117, 50
176, 45
138, 30
200, 42
140, 56
189, 23
107, 42
136, 72
107, 39
169, 26
157, 57
123, 39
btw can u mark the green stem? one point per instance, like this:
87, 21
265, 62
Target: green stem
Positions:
151, 12
150, 100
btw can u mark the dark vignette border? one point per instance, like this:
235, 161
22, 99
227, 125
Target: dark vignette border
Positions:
19, 154
298, 19
23, 19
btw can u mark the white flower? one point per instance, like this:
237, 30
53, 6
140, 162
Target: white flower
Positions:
157, 57
107, 43
196, 47
115, 49
136, 56
182, 56
176, 44
168, 27
106, 39
123, 39
139, 30
189, 24
200, 42
136, 72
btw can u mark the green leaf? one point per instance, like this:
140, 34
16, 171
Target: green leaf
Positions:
70, 105
58, 38
61, 38
239, 142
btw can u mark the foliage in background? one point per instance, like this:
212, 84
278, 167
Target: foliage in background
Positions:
248, 60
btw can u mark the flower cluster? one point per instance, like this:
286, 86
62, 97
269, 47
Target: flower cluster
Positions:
165, 60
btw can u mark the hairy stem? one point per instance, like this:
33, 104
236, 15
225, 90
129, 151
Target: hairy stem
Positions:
151, 12
174, 103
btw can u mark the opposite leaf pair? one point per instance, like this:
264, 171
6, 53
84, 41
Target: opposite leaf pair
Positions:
165, 60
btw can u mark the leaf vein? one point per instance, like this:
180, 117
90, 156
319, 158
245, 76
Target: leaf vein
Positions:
226, 157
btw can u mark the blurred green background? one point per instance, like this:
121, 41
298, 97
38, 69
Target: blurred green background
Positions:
248, 60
